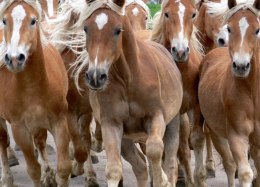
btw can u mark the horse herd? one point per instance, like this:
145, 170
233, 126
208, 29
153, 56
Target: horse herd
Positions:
155, 87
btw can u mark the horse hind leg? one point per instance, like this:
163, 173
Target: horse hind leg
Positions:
96, 144
48, 174
90, 174
210, 162
197, 139
184, 154
137, 160
7, 177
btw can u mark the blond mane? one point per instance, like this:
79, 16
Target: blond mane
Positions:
157, 33
36, 6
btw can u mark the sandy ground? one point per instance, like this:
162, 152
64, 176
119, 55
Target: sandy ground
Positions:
22, 179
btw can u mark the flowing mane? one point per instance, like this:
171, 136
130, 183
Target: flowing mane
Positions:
220, 8
157, 33
36, 6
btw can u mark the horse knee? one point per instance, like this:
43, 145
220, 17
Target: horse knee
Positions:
245, 175
197, 139
114, 172
64, 169
154, 149
34, 171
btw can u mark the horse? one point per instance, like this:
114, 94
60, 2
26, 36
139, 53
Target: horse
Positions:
175, 30
228, 75
135, 91
212, 32
138, 13
38, 84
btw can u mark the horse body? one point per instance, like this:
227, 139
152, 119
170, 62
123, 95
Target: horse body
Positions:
36, 98
234, 94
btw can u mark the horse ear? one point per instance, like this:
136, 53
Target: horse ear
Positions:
231, 3
120, 3
257, 4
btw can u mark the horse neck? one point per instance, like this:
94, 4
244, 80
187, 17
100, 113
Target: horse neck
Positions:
127, 64
34, 71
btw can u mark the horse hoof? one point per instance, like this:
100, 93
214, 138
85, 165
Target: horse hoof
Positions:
94, 159
76, 169
181, 176
13, 161
92, 182
180, 183
211, 173
48, 178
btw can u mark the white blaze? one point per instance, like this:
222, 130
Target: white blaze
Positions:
101, 20
18, 15
135, 11
243, 25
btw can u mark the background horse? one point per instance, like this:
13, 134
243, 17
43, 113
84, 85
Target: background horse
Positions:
176, 31
131, 91
138, 14
229, 93
36, 98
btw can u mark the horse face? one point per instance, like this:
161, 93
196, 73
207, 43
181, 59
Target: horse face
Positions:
216, 30
137, 16
104, 44
20, 34
243, 28
179, 19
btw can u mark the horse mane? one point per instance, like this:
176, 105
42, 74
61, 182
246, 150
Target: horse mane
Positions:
157, 34
36, 6
220, 8
145, 7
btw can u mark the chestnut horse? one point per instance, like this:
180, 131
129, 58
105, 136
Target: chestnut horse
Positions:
135, 91
229, 93
138, 14
38, 84
176, 31
213, 33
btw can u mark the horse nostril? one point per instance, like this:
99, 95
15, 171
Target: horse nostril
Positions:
188, 49
247, 66
174, 49
21, 58
234, 65
103, 77
221, 42
7, 59
87, 76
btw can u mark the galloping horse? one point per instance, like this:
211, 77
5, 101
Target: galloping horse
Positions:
37, 83
175, 30
135, 91
138, 14
229, 93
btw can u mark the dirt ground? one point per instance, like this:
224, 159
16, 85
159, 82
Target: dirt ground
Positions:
22, 179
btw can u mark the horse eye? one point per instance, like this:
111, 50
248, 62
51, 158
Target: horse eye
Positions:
257, 31
228, 29
166, 15
86, 29
4, 21
33, 22
118, 31
146, 18
194, 15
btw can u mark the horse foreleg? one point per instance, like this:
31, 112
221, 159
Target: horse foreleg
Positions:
112, 135
255, 153
97, 143
184, 154
61, 138
48, 175
210, 162
7, 177
137, 160
91, 177
24, 140
154, 151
